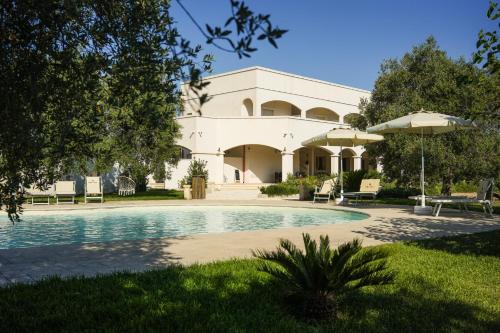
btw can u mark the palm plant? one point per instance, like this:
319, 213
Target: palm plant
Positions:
316, 277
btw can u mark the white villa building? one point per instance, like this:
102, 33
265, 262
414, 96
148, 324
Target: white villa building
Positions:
251, 129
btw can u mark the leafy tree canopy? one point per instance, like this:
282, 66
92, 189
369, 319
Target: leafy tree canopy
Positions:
487, 42
87, 83
426, 78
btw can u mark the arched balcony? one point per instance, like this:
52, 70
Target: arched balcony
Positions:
279, 108
322, 114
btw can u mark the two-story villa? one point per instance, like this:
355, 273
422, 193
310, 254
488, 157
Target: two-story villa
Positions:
251, 129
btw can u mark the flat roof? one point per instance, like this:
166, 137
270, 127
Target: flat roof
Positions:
246, 69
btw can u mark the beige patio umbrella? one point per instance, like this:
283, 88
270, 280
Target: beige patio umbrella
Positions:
343, 137
421, 122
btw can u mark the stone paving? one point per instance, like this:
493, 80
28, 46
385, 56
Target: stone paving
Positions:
384, 225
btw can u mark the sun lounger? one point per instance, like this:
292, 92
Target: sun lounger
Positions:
483, 197
369, 188
65, 189
93, 189
326, 191
44, 193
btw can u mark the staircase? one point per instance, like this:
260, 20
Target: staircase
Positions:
236, 191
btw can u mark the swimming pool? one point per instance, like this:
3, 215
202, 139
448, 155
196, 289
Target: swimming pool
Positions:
132, 223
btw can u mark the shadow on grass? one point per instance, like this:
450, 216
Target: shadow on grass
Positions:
484, 243
224, 297
421, 307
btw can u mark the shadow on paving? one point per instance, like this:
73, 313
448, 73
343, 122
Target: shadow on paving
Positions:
31, 264
407, 228
220, 298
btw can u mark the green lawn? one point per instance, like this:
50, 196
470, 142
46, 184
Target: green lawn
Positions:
442, 285
154, 194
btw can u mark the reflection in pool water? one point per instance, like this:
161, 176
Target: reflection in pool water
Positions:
132, 223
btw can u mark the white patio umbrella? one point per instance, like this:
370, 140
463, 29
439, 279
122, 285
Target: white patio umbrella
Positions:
343, 137
421, 122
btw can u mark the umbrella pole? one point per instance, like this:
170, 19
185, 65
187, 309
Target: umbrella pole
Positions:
341, 177
422, 172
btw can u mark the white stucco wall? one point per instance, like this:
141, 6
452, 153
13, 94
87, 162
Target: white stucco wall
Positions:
226, 122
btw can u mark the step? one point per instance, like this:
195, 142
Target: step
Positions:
225, 187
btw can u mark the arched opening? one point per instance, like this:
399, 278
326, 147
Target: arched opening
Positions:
348, 159
367, 162
322, 114
279, 108
247, 108
310, 161
252, 164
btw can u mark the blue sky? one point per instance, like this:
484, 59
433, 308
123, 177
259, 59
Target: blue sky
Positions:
344, 41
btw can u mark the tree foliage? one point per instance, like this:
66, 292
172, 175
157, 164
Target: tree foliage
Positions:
426, 78
86, 84
487, 43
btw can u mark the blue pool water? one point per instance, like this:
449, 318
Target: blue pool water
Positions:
132, 223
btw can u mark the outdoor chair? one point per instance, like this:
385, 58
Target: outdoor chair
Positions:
326, 191
93, 189
484, 197
369, 188
35, 192
65, 189
126, 186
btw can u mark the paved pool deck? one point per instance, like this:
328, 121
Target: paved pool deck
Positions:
385, 224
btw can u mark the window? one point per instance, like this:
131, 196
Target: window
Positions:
185, 153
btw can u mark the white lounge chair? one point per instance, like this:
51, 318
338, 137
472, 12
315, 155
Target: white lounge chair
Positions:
65, 189
35, 192
326, 191
93, 189
484, 197
369, 188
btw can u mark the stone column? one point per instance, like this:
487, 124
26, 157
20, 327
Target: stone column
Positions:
286, 165
219, 166
357, 162
334, 164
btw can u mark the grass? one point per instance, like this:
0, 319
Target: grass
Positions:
153, 194
442, 285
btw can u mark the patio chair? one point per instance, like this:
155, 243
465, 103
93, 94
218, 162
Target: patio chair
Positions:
369, 188
35, 192
93, 189
126, 186
65, 189
326, 191
484, 197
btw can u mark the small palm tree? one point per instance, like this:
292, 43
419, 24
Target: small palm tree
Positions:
316, 277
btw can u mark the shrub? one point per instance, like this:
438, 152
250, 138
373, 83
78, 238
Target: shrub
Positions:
314, 279
352, 180
197, 168
398, 192
464, 186
281, 189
